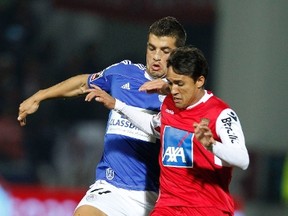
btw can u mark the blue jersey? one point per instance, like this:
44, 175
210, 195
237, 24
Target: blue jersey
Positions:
130, 157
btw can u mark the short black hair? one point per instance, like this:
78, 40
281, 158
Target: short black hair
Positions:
189, 61
170, 27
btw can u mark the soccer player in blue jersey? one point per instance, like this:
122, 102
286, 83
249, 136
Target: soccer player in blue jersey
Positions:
127, 176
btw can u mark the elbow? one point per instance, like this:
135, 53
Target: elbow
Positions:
245, 166
241, 161
245, 162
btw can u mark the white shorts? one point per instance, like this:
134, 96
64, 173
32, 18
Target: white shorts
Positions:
115, 201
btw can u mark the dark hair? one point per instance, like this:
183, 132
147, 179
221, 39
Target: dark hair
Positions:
189, 61
170, 27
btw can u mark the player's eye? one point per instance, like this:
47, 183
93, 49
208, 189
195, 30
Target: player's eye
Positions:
151, 48
166, 51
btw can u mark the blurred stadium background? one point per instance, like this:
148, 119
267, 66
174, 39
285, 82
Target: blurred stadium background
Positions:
46, 166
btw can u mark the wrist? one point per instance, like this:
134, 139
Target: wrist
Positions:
119, 105
40, 96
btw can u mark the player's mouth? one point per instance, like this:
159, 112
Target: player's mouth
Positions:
156, 67
177, 100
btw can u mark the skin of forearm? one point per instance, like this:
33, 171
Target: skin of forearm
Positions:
71, 87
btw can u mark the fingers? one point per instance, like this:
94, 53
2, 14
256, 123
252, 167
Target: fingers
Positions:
22, 115
202, 129
100, 96
205, 121
90, 96
203, 133
22, 119
144, 87
93, 93
208, 133
150, 86
156, 86
202, 125
22, 122
97, 93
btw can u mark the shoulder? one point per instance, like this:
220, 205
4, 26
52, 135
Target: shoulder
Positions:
228, 115
216, 102
125, 65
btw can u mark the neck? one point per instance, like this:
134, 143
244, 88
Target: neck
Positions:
198, 98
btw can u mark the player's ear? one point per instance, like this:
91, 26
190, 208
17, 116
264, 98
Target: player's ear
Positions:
200, 82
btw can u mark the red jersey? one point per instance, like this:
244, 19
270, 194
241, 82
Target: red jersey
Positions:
189, 174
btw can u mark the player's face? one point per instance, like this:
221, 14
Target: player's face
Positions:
184, 89
158, 51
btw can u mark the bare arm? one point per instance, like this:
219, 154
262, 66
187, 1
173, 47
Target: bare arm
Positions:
71, 87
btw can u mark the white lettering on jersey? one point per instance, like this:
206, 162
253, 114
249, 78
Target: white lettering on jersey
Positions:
169, 111
227, 122
173, 153
119, 124
177, 147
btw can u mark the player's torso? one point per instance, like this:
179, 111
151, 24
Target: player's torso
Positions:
187, 168
130, 158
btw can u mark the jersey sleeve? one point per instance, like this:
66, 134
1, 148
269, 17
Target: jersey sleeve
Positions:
115, 72
147, 122
100, 79
103, 79
232, 148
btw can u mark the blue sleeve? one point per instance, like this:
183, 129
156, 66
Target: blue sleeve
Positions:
103, 79
100, 79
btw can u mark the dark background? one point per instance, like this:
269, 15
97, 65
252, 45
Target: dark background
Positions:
44, 42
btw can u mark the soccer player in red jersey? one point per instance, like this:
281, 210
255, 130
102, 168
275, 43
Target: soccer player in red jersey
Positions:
201, 140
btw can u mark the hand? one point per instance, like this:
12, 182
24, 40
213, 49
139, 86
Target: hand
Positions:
156, 86
203, 133
27, 107
100, 96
